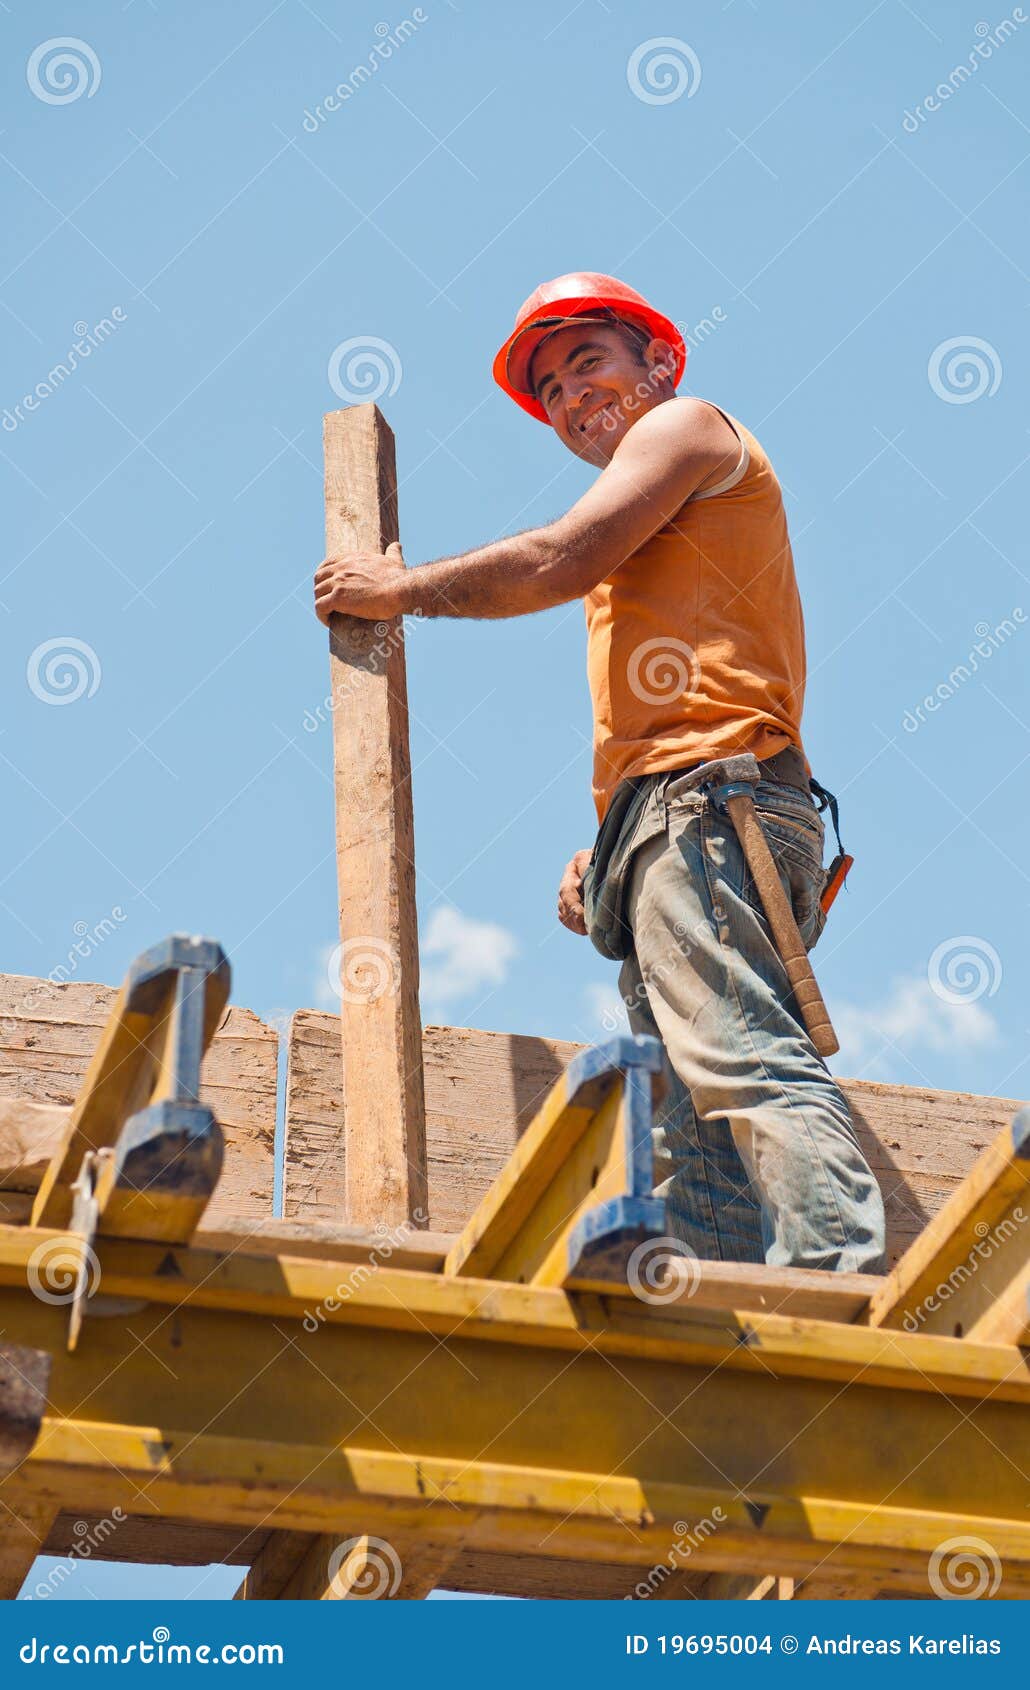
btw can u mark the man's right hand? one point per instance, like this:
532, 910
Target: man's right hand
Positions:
570, 894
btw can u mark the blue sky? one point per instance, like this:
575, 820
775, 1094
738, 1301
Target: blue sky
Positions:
853, 262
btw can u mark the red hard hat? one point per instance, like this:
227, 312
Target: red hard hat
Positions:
554, 303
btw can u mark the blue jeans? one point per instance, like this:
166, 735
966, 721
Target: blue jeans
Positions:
755, 1151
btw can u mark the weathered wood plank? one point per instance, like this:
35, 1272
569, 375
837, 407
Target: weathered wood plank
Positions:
48, 1033
483, 1089
30, 1134
152, 1540
401, 1247
968, 1273
383, 1125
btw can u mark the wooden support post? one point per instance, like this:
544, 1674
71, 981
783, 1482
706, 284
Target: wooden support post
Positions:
295, 1567
384, 1109
745, 1587
26, 1517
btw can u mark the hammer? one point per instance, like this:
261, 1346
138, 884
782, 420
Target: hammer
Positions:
733, 778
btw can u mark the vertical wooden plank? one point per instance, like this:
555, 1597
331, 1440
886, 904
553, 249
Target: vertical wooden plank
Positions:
317, 1567
384, 1148
26, 1517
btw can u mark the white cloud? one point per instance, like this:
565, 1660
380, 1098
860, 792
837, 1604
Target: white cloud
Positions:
459, 955
911, 1017
606, 1010
323, 992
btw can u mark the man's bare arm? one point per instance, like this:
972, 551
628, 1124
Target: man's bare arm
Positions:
664, 458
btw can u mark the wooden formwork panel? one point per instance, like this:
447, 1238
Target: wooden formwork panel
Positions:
47, 1035
483, 1088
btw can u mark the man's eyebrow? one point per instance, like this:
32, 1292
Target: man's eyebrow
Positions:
584, 346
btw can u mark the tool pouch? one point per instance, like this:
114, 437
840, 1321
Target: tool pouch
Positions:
840, 868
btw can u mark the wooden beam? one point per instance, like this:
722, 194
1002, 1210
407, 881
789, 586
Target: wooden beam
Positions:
376, 1159
349, 1246
273, 1567
384, 1114
818, 1588
968, 1275
744, 1587
152, 1540
546, 1577
27, 1514
24, 1378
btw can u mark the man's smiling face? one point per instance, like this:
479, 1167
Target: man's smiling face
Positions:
595, 380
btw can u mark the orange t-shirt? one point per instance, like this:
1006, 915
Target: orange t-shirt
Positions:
696, 642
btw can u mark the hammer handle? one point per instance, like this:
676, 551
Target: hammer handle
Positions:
780, 915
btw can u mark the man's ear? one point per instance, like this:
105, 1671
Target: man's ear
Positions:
661, 357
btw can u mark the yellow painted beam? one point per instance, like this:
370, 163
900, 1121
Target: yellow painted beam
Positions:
968, 1273
589, 1142
148, 1059
323, 1297
499, 1509
532, 1420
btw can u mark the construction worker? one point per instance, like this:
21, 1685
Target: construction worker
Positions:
696, 651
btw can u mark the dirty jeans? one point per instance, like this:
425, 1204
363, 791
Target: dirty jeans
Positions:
755, 1151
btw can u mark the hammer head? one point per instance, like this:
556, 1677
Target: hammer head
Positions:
742, 770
